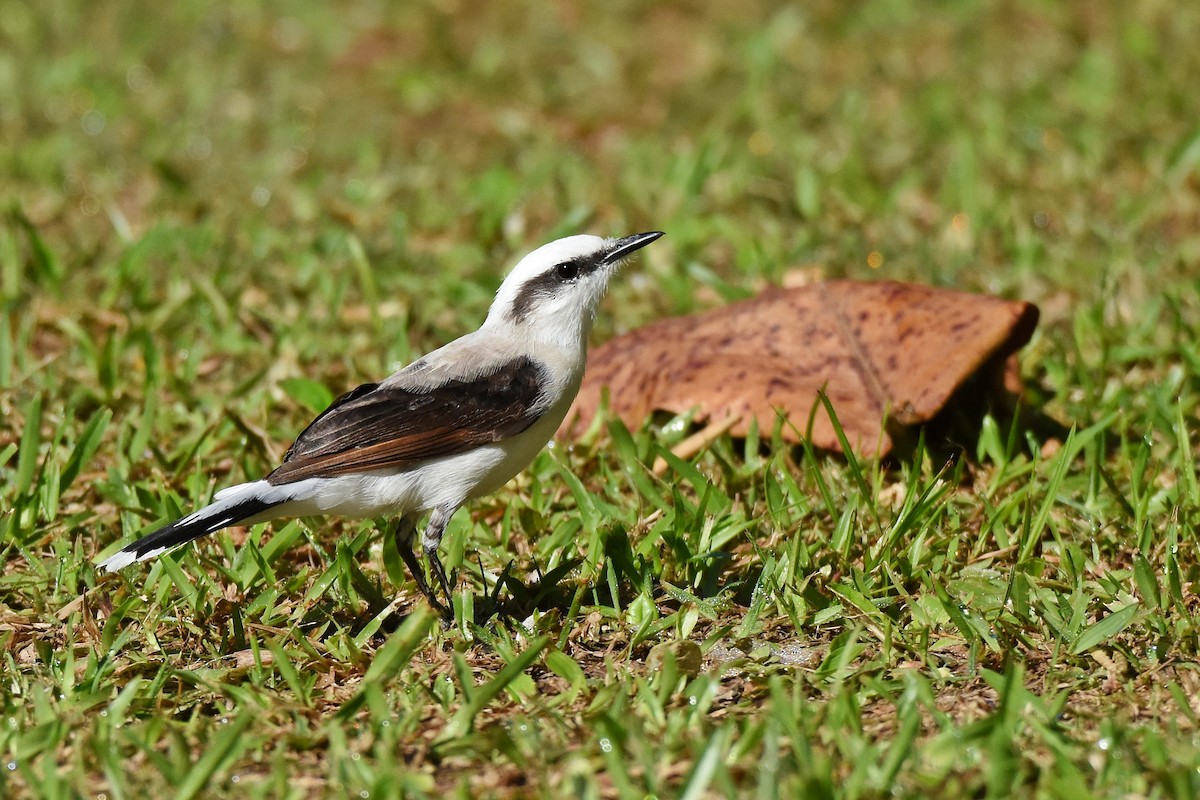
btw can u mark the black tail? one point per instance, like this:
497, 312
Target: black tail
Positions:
210, 519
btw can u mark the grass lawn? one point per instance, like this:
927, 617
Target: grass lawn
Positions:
215, 216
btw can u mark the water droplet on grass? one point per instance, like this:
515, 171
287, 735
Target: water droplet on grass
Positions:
139, 77
199, 146
93, 122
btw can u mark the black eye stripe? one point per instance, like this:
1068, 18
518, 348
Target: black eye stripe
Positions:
550, 282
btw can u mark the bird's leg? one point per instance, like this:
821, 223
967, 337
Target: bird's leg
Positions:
406, 532
431, 538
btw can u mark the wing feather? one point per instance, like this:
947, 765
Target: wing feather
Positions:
378, 426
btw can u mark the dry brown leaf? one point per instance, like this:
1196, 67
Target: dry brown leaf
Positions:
878, 349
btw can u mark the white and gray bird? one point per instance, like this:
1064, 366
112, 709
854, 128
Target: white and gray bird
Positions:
453, 425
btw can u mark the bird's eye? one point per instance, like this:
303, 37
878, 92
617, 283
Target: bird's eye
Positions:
567, 271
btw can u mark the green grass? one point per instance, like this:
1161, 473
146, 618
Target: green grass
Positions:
213, 219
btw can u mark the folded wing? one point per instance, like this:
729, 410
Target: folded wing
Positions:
380, 426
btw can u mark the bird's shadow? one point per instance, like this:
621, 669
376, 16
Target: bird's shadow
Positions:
507, 599
510, 598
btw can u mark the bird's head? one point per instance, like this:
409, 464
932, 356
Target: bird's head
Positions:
553, 292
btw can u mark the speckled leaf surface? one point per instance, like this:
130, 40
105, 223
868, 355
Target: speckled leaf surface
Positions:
883, 351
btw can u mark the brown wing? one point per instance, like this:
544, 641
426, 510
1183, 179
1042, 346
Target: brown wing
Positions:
376, 426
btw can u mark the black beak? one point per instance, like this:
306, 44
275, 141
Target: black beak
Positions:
623, 247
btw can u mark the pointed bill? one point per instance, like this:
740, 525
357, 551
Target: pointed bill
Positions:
626, 245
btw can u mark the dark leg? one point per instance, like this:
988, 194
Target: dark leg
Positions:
431, 539
406, 532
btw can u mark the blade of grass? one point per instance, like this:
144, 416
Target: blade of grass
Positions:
221, 749
463, 720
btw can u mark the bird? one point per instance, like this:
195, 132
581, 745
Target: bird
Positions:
454, 425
